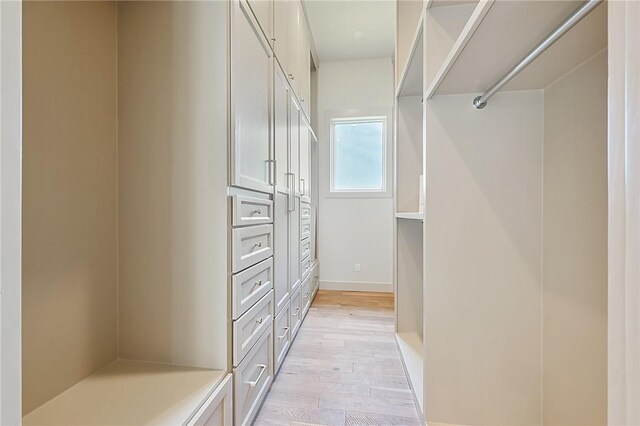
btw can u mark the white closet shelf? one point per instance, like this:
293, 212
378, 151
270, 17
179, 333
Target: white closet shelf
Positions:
410, 215
444, 3
481, 54
130, 392
411, 78
410, 346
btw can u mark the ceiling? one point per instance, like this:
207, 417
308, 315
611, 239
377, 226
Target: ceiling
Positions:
352, 29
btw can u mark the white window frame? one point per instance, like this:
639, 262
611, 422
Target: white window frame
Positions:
354, 116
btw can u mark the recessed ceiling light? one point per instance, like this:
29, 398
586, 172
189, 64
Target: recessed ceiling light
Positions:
358, 34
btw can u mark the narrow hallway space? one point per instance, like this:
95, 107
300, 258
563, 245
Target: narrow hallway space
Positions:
343, 367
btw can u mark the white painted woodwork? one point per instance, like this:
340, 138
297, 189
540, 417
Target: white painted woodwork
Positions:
306, 293
218, 408
251, 285
305, 211
305, 229
10, 211
294, 246
282, 335
252, 378
410, 346
408, 152
294, 144
296, 311
408, 14
411, 79
304, 181
575, 247
281, 32
130, 392
305, 267
304, 65
250, 326
480, 63
263, 12
281, 252
250, 103
281, 99
447, 31
410, 215
305, 248
624, 217
251, 245
251, 211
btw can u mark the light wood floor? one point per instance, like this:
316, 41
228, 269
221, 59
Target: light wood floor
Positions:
343, 367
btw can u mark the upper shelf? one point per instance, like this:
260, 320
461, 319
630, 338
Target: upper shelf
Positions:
482, 54
411, 79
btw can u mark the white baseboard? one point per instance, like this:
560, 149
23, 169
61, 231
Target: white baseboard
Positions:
356, 286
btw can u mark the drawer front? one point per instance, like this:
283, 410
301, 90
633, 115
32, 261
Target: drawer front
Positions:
305, 267
251, 245
305, 211
296, 312
251, 285
251, 211
305, 248
251, 379
305, 229
281, 336
218, 408
306, 295
249, 327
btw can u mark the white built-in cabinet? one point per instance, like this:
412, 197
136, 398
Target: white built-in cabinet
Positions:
251, 162
270, 180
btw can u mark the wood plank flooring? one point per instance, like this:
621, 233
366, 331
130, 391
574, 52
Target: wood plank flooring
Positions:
343, 367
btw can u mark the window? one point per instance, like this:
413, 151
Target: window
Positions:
358, 155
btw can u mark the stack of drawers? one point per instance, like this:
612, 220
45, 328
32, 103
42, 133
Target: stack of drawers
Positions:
252, 303
305, 256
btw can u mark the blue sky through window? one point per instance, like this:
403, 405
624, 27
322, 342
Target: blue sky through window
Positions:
358, 155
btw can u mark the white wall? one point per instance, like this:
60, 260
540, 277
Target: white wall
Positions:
351, 230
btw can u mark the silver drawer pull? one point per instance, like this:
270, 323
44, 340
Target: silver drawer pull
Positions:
286, 331
259, 282
258, 244
259, 320
306, 295
257, 211
262, 368
295, 314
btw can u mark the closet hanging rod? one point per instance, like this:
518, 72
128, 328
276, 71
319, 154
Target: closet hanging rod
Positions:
481, 101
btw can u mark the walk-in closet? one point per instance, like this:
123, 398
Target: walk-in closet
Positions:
511, 326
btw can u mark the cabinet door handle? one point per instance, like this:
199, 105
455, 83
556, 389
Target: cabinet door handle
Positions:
286, 330
295, 314
306, 295
291, 77
262, 368
304, 186
290, 190
271, 171
258, 244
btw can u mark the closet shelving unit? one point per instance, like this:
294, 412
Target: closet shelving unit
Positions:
408, 253
124, 294
515, 216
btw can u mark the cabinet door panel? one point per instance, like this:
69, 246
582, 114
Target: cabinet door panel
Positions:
294, 246
294, 9
281, 132
304, 141
294, 143
250, 77
280, 32
263, 11
281, 251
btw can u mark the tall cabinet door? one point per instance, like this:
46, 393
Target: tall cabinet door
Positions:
294, 143
294, 245
263, 11
304, 181
281, 97
250, 82
281, 32
281, 250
